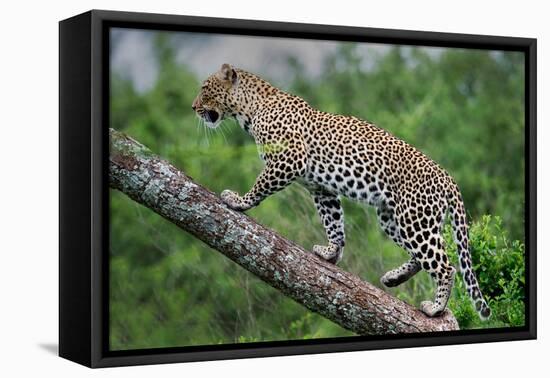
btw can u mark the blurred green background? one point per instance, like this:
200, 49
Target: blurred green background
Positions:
463, 108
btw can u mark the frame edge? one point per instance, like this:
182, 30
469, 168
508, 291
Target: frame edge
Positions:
99, 19
74, 189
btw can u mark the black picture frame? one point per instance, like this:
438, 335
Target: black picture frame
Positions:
83, 181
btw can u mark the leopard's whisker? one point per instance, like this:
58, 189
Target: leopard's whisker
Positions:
222, 131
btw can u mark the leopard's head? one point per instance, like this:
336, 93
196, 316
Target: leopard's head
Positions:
217, 97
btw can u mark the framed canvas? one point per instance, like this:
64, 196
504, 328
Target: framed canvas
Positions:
235, 188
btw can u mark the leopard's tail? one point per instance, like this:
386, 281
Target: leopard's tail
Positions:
460, 233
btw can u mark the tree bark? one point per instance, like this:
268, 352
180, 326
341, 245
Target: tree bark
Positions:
299, 274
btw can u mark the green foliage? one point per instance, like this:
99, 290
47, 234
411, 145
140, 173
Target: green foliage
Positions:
500, 266
464, 108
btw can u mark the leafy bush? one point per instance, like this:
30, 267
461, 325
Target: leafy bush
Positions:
500, 267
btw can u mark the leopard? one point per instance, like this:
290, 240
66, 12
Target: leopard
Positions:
335, 156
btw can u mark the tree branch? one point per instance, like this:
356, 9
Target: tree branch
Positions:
316, 284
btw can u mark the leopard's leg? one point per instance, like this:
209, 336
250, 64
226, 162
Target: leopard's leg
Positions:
421, 237
268, 182
436, 263
332, 216
386, 218
282, 166
402, 273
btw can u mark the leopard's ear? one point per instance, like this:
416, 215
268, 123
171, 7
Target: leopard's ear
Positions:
228, 74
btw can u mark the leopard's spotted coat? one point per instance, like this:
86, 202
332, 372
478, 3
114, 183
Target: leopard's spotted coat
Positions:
335, 155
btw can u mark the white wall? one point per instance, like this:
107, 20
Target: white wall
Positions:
28, 189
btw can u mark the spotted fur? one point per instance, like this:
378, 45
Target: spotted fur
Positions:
334, 155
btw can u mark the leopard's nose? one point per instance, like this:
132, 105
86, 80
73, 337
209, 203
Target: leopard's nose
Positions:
195, 104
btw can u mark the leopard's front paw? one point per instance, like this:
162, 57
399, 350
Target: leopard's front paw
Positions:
233, 200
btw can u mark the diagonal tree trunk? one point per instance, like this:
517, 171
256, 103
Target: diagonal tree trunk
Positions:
316, 284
